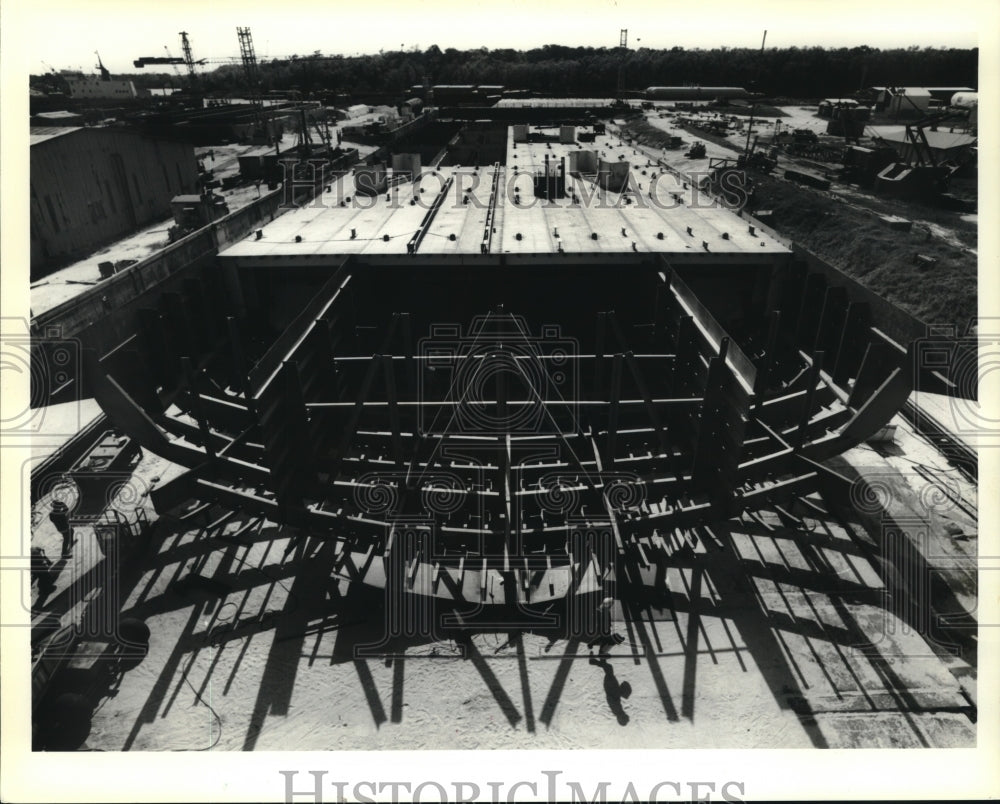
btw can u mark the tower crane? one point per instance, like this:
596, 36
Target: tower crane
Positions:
188, 58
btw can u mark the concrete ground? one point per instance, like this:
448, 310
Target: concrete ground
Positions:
66, 283
965, 418
72, 280
57, 424
776, 635
803, 117
763, 128
676, 158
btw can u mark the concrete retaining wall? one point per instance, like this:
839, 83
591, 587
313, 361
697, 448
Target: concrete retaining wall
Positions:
105, 315
75, 316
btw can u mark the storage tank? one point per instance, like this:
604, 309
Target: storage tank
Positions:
567, 134
965, 100
521, 132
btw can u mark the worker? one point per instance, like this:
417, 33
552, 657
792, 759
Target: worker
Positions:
41, 566
60, 518
606, 636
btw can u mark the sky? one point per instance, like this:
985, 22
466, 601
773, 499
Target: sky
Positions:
65, 33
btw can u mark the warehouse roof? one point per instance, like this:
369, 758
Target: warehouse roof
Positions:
696, 87
935, 89
39, 134
912, 92
558, 103
60, 115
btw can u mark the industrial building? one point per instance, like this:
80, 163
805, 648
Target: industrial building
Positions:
836, 108
99, 87
459, 94
914, 100
233, 122
92, 185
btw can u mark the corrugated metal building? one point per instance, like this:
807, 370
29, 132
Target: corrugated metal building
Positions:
909, 100
896, 100
90, 186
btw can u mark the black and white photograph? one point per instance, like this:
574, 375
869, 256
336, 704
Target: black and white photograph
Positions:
584, 379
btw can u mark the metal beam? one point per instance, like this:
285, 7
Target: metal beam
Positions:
390, 392
285, 347
807, 403
197, 409
486, 403
770, 346
616, 382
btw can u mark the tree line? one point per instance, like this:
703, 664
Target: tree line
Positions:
810, 72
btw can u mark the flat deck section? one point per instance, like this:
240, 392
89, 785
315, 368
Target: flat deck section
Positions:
457, 212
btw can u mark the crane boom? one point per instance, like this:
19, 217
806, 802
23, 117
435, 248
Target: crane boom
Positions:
105, 75
188, 59
142, 61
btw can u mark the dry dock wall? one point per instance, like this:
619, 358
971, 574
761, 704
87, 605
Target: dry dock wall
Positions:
105, 315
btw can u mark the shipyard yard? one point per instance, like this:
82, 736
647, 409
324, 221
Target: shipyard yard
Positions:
380, 404
776, 619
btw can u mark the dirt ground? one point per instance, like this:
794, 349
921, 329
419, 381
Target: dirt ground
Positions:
842, 225
844, 230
